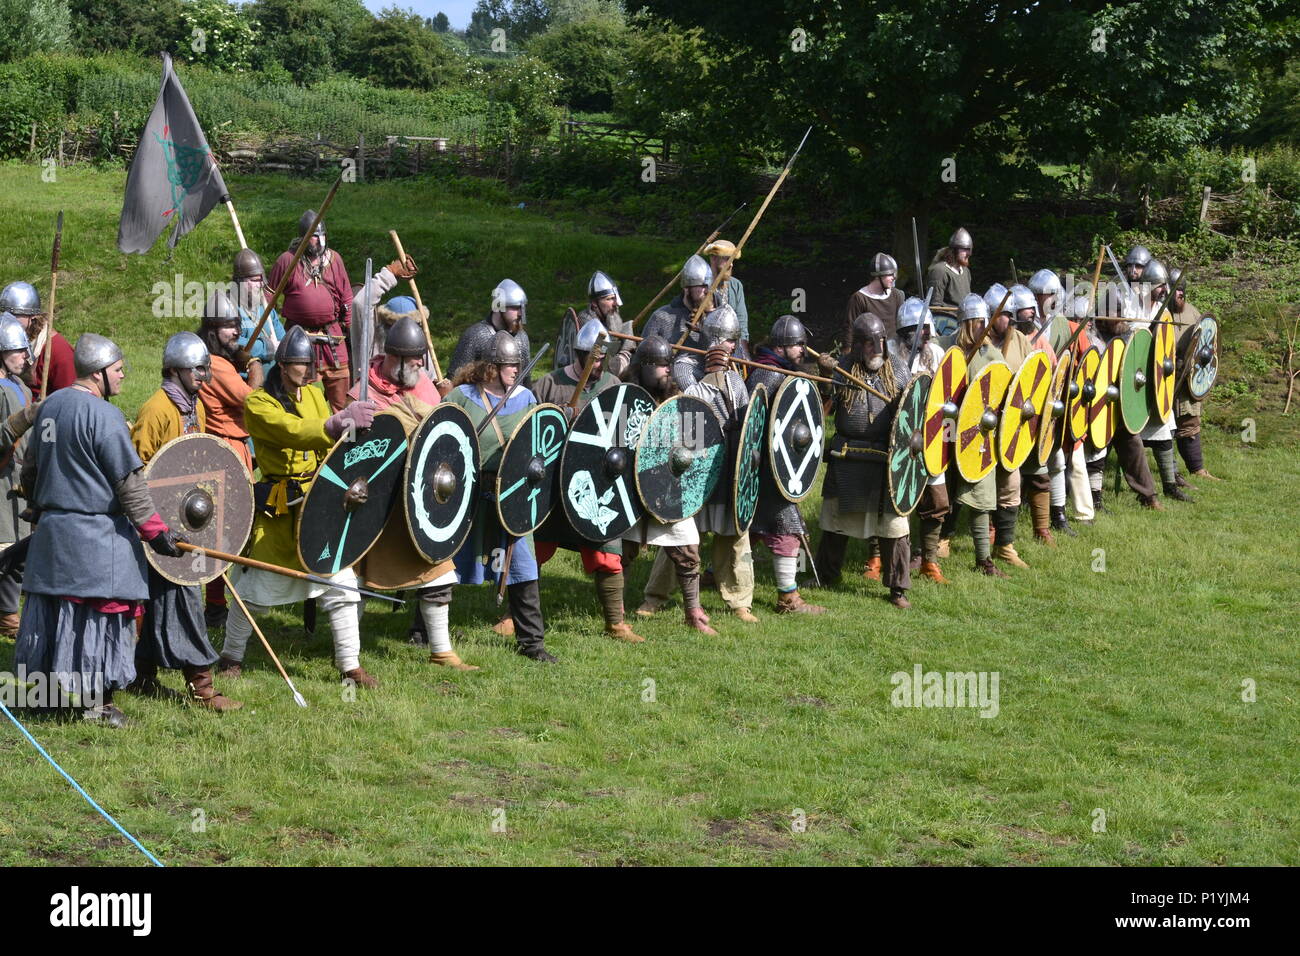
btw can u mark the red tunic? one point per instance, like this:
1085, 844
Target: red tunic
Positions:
319, 305
63, 367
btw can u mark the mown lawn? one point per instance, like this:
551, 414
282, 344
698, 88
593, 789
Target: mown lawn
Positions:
1121, 690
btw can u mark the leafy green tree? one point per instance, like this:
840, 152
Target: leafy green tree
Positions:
139, 26
525, 91
312, 39
218, 34
590, 56
33, 26
521, 20
440, 23
398, 50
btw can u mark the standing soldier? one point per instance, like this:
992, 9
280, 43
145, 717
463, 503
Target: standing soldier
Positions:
949, 273
855, 493
82, 601
23, 302
15, 398
1158, 435
723, 255
778, 523
173, 632
382, 315
1135, 263
670, 321
1187, 411
603, 303
508, 313
318, 299
293, 430
251, 296
879, 297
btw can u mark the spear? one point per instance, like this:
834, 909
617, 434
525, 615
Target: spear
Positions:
297, 697
695, 318
277, 569
704, 245
988, 326
916, 257
54, 284
419, 305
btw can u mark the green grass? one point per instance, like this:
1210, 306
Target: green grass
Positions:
1120, 690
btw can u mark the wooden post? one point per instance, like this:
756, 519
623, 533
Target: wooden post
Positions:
419, 148
32, 148
361, 157
60, 147
1205, 204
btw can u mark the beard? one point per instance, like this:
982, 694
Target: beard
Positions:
408, 377
875, 363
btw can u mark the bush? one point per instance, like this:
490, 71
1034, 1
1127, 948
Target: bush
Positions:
589, 55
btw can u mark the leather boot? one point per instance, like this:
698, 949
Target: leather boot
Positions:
199, 682
649, 609
146, 684
1150, 501
931, 570
609, 588
791, 603
1204, 473
697, 620
1096, 502
530, 627
309, 616
214, 616
9, 625
945, 548
898, 598
917, 559
505, 627
1182, 482
872, 570
988, 567
450, 659
1061, 523
359, 677
1176, 493
830, 557
1007, 553
228, 669
745, 614
1040, 512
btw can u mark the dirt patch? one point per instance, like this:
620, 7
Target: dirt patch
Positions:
1037, 836
770, 833
805, 700
510, 733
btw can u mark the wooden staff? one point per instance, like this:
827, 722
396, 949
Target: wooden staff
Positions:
849, 375
234, 219
297, 697
596, 352
708, 296
988, 326
276, 569
704, 245
293, 265
419, 304
54, 285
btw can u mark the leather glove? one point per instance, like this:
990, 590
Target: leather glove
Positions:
826, 362
716, 360
240, 360
165, 542
403, 270
361, 414
20, 421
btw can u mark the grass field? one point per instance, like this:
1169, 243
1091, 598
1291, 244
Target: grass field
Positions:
1121, 737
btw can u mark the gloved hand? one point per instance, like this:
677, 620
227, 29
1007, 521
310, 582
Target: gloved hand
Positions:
361, 414
21, 420
716, 360
403, 270
826, 362
165, 542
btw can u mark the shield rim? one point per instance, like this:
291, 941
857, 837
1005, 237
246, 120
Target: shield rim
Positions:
745, 426
1108, 414
252, 510
1162, 384
635, 500
932, 407
712, 419
815, 406
1056, 430
996, 406
536, 409
1038, 357
1078, 405
1131, 396
1211, 323
570, 312
919, 381
410, 460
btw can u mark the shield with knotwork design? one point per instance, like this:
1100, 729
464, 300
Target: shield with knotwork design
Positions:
1134, 383
1103, 407
794, 441
1022, 410
977, 421
441, 482
906, 455
749, 459
597, 466
351, 497
1198, 357
941, 405
680, 459
528, 477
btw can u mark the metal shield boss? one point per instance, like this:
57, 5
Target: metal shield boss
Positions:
1079, 400
977, 421
1103, 408
1198, 356
440, 483
598, 464
528, 478
749, 459
1134, 381
941, 406
906, 454
204, 493
796, 430
349, 500
681, 458
1022, 410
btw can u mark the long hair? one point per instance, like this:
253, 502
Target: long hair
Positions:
967, 336
481, 372
274, 386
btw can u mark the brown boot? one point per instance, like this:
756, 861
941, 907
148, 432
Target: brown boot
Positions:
988, 567
944, 549
359, 677
505, 627
9, 625
198, 680
1044, 536
745, 614
450, 659
697, 620
1150, 501
791, 603
931, 570
146, 684
228, 669
622, 631
1007, 553
898, 598
872, 570
609, 588
1204, 473
1040, 510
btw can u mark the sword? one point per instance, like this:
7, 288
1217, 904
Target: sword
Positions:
916, 257
511, 390
1128, 290
811, 563
367, 342
287, 572
920, 329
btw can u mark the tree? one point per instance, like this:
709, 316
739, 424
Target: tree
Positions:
520, 19
440, 23
915, 102
589, 55
218, 34
33, 26
398, 50
105, 26
312, 39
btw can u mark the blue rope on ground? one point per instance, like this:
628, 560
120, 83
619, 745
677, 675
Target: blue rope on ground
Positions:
152, 859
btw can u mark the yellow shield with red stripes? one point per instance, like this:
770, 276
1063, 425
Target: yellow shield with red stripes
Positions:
1081, 386
941, 405
1103, 409
977, 421
1163, 367
1051, 433
1022, 411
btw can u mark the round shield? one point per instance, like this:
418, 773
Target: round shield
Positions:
1082, 384
749, 459
440, 485
349, 501
906, 455
946, 391
564, 341
1022, 412
1103, 407
1134, 384
977, 421
203, 492
598, 464
528, 476
680, 459
1051, 432
1198, 351
1163, 368
794, 437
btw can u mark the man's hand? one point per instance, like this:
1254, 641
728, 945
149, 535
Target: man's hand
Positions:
240, 360
256, 373
443, 385
403, 270
361, 414
165, 542
826, 363
716, 360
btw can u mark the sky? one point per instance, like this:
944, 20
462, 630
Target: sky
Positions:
457, 11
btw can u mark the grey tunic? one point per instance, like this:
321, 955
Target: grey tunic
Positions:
11, 526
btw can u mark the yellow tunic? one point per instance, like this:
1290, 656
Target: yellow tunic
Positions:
158, 423
288, 446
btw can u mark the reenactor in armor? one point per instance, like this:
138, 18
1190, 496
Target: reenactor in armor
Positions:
949, 273
1159, 435
1187, 411
670, 321
15, 399
23, 302
508, 313
251, 295
603, 303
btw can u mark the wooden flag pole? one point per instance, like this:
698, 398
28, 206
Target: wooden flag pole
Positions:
234, 219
